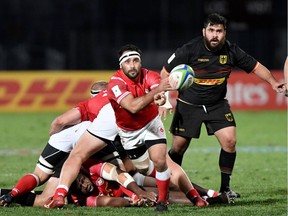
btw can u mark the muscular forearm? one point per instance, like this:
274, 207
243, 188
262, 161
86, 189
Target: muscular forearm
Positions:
262, 72
70, 117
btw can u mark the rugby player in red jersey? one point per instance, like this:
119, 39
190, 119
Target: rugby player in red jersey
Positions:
131, 92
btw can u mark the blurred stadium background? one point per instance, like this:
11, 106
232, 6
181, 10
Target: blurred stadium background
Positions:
51, 51
86, 34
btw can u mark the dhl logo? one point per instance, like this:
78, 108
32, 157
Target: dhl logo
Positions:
209, 81
45, 91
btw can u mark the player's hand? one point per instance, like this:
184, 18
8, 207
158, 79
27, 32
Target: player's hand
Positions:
280, 88
164, 85
165, 108
149, 196
160, 98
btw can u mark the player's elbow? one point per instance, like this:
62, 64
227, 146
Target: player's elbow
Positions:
133, 110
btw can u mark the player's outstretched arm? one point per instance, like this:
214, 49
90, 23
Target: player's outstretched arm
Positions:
262, 72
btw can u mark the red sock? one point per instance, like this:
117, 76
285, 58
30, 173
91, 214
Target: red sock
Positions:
163, 189
60, 191
192, 194
153, 173
129, 193
25, 184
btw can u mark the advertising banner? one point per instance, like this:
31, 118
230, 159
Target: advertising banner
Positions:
44, 91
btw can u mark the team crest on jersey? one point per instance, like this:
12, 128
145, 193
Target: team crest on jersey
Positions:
99, 181
223, 59
229, 117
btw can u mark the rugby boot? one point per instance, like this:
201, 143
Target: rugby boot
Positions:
58, 202
6, 200
161, 207
222, 198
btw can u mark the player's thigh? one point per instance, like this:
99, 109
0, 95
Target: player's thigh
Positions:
187, 120
49, 158
87, 145
157, 154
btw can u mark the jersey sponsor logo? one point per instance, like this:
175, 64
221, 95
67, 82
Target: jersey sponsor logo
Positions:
116, 91
229, 117
203, 60
223, 59
180, 129
209, 81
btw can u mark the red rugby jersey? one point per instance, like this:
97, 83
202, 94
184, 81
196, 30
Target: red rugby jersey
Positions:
120, 86
90, 108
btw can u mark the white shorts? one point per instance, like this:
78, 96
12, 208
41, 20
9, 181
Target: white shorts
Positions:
154, 130
66, 139
104, 125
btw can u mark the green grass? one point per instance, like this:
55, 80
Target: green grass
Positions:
260, 173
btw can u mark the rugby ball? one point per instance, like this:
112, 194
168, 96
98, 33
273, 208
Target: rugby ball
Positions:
181, 77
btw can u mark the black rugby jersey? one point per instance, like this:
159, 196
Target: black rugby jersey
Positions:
212, 69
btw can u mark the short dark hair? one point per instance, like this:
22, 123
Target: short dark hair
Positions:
214, 19
128, 47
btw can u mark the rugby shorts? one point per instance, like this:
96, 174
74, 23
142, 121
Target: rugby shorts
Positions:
188, 118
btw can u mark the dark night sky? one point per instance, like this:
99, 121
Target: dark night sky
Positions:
86, 34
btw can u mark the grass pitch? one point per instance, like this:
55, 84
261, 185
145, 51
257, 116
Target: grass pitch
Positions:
260, 173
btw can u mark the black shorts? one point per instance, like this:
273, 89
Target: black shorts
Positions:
188, 118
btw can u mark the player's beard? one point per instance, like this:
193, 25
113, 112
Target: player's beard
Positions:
132, 74
208, 44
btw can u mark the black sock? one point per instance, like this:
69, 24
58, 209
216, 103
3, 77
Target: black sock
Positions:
26, 199
226, 164
175, 157
4, 191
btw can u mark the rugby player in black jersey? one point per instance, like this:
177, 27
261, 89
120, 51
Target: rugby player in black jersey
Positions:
212, 58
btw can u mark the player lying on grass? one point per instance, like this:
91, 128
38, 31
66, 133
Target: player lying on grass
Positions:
90, 189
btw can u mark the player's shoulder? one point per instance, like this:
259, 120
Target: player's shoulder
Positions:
197, 41
148, 71
194, 45
231, 46
149, 74
116, 78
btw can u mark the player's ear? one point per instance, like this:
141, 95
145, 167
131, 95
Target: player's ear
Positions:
203, 32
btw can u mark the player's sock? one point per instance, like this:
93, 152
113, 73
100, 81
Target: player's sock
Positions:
4, 191
128, 193
152, 173
25, 184
192, 194
151, 170
175, 157
61, 190
212, 193
163, 182
226, 164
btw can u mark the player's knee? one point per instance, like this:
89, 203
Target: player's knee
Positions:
179, 145
109, 172
44, 166
231, 143
160, 164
